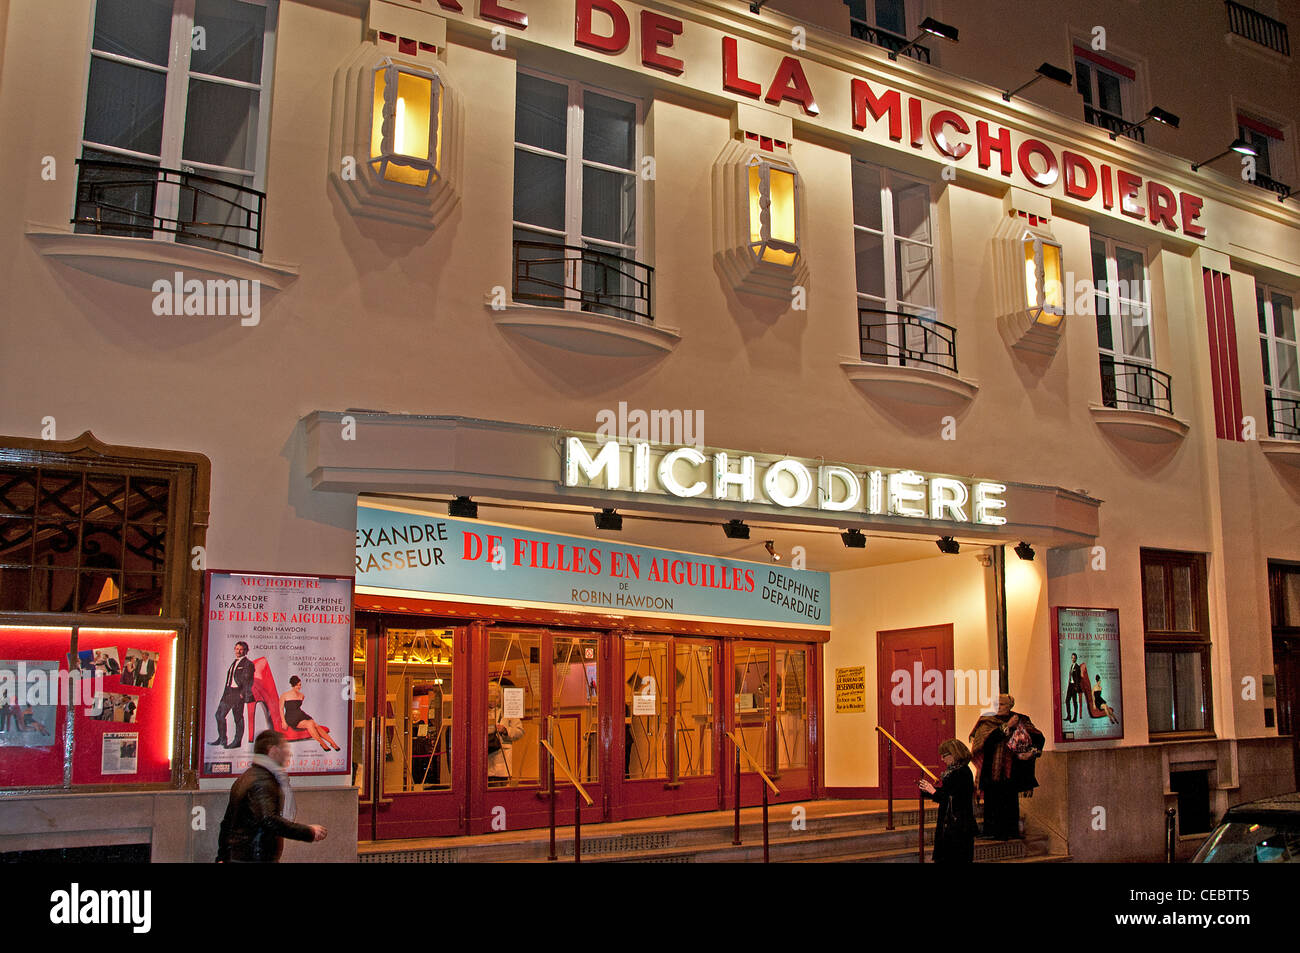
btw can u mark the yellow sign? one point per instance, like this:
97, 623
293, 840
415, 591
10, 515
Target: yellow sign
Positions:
851, 689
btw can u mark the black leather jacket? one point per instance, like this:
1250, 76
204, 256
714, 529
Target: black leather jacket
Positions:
252, 829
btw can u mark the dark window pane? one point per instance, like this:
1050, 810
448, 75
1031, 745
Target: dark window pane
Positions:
541, 113
17, 491
104, 498
608, 206
57, 544
1189, 704
1260, 311
101, 545
539, 190
140, 29
120, 201
60, 495
232, 37
1108, 93
869, 251
142, 594
213, 213
145, 547
866, 196
890, 16
1083, 80
220, 125
540, 269
16, 541
54, 590
609, 131
101, 592
1160, 692
124, 106
1153, 597
14, 587
1184, 606
148, 501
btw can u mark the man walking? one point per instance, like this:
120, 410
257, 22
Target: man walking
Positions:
236, 692
261, 809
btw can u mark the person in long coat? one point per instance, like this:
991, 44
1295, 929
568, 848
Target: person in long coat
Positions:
1003, 748
954, 836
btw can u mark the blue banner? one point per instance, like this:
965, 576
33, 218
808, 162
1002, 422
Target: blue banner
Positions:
469, 560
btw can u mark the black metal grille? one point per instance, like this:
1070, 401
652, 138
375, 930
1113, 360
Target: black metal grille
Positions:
1129, 386
121, 198
1261, 29
1273, 185
862, 30
1283, 417
1112, 123
890, 337
552, 274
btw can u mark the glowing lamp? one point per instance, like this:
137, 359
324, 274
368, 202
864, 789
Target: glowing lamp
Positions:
1044, 292
773, 229
406, 125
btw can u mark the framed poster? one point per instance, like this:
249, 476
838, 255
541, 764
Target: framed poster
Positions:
277, 653
1086, 674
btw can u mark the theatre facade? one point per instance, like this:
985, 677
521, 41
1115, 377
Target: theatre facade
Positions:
592, 369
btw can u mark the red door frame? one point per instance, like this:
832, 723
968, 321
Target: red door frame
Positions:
906, 774
386, 815
493, 809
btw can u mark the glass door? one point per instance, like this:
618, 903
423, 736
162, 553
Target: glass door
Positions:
535, 684
771, 698
407, 717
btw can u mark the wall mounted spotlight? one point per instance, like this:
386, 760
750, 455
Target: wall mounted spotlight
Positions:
770, 546
854, 539
1046, 71
609, 519
1239, 146
1163, 116
933, 27
463, 508
1024, 550
735, 529
948, 546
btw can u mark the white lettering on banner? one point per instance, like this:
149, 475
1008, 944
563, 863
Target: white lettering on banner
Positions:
786, 482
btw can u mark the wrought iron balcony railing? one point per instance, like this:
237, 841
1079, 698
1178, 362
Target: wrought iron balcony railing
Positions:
1283, 416
1112, 123
553, 275
908, 340
1263, 30
1273, 185
862, 30
138, 201
1129, 386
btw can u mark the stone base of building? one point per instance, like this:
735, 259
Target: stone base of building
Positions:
1110, 804
176, 826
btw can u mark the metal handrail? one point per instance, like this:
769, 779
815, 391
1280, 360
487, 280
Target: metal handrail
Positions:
1283, 416
104, 186
1131, 386
890, 743
1255, 26
632, 280
578, 789
939, 340
767, 783
862, 30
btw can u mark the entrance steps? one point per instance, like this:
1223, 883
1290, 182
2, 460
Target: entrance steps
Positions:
836, 831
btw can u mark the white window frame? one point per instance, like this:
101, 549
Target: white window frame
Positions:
1268, 343
1115, 302
575, 163
888, 235
176, 102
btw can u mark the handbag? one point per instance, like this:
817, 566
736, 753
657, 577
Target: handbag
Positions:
1021, 744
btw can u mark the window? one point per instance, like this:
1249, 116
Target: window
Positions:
175, 133
1277, 351
1107, 90
884, 23
1272, 160
893, 241
1121, 298
1175, 609
576, 195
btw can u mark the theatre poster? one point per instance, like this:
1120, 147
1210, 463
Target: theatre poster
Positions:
1086, 674
260, 631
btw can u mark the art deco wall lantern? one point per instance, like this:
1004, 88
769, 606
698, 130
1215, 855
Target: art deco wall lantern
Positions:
1030, 276
758, 206
396, 143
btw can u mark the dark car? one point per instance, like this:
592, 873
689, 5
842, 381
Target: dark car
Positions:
1266, 831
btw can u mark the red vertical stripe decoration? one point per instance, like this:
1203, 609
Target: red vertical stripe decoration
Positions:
1225, 373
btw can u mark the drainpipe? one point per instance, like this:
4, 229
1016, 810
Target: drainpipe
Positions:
1000, 614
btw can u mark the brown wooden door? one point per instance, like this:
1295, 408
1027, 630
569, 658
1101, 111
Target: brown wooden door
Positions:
914, 668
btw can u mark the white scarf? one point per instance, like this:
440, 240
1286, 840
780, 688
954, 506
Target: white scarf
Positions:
290, 810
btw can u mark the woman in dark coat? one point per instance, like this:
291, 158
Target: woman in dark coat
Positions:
954, 837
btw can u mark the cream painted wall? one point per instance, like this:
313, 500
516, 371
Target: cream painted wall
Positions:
388, 317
